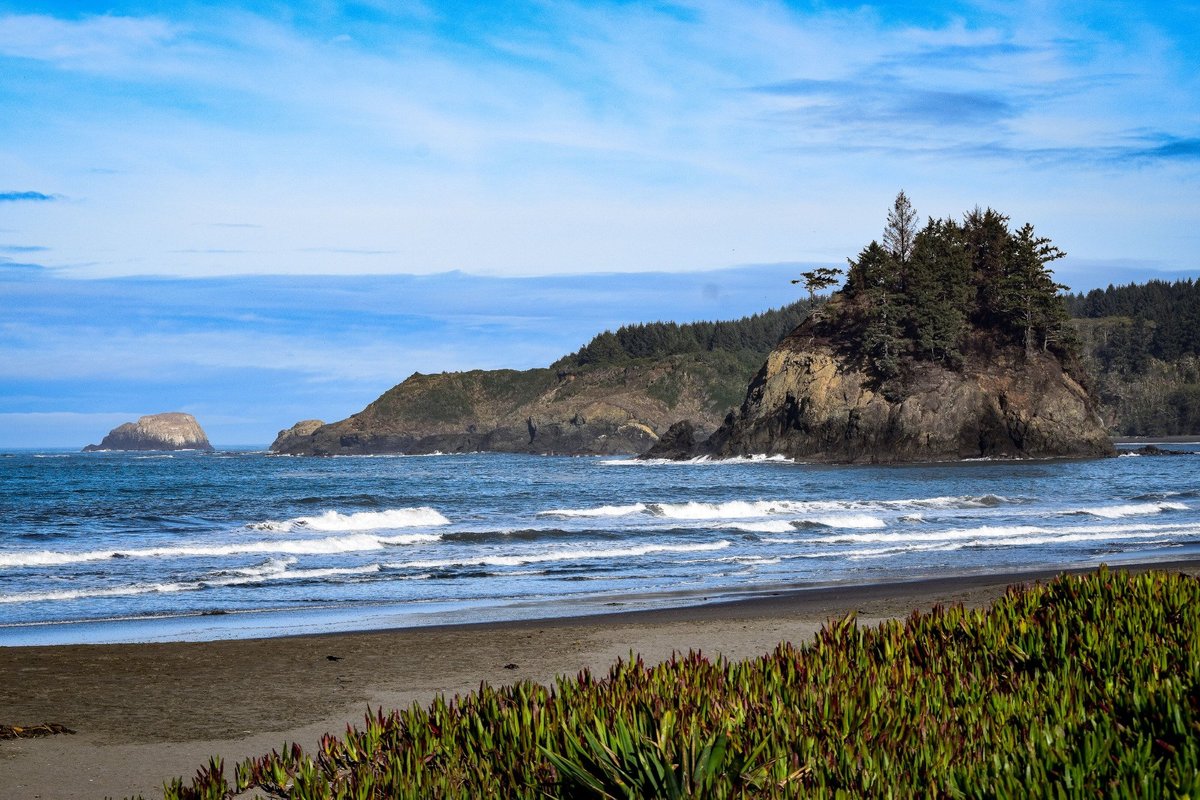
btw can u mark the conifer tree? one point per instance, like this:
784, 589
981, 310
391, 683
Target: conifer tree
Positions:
873, 276
818, 279
939, 289
1027, 295
900, 233
987, 239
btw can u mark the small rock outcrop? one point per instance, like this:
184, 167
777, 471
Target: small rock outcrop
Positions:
288, 436
678, 442
170, 431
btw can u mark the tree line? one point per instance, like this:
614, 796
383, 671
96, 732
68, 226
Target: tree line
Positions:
754, 334
1162, 321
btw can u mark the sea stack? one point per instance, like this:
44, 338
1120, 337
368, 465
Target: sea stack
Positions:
809, 403
947, 342
169, 431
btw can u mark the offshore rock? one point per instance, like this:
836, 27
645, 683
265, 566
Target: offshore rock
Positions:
810, 402
170, 431
679, 442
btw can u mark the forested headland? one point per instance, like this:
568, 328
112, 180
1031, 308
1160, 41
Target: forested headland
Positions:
943, 289
959, 294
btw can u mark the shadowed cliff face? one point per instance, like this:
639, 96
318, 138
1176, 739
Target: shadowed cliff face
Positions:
814, 403
170, 431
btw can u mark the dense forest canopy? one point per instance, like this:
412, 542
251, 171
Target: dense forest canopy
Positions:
926, 292
1163, 320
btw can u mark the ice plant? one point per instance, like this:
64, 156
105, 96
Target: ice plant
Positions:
1087, 686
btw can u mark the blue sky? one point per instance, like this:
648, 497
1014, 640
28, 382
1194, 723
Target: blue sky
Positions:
261, 212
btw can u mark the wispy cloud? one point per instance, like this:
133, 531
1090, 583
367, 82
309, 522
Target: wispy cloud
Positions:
1170, 149
27, 197
101, 43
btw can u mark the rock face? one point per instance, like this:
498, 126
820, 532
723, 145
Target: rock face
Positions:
297, 432
170, 431
811, 403
595, 411
679, 442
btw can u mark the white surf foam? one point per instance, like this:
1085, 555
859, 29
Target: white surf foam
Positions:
770, 526
333, 521
600, 511
275, 570
697, 460
580, 554
996, 533
330, 544
1130, 510
750, 509
850, 521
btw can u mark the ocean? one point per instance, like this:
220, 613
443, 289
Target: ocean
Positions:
136, 547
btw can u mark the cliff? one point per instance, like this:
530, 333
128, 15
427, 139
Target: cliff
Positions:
170, 431
586, 410
811, 403
297, 432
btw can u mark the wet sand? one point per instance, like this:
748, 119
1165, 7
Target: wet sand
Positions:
144, 713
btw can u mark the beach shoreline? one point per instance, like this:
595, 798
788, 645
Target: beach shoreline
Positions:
144, 713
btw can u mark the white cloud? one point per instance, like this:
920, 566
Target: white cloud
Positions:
600, 138
99, 43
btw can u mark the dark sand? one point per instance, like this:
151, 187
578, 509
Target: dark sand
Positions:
147, 712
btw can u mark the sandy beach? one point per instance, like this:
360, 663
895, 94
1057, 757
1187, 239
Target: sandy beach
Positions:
143, 713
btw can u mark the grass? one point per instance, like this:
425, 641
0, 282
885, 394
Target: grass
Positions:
1087, 686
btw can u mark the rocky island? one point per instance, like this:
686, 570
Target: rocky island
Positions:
947, 342
169, 431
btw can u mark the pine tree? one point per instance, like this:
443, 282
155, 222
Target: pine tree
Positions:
987, 239
899, 237
818, 279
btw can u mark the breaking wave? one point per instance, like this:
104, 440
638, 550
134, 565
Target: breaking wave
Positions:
333, 521
330, 544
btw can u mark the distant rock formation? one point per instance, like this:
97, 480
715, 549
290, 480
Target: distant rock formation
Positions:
593, 411
170, 431
288, 436
616, 395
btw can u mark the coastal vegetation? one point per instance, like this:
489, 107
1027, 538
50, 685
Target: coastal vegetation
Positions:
1086, 686
1141, 347
935, 292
